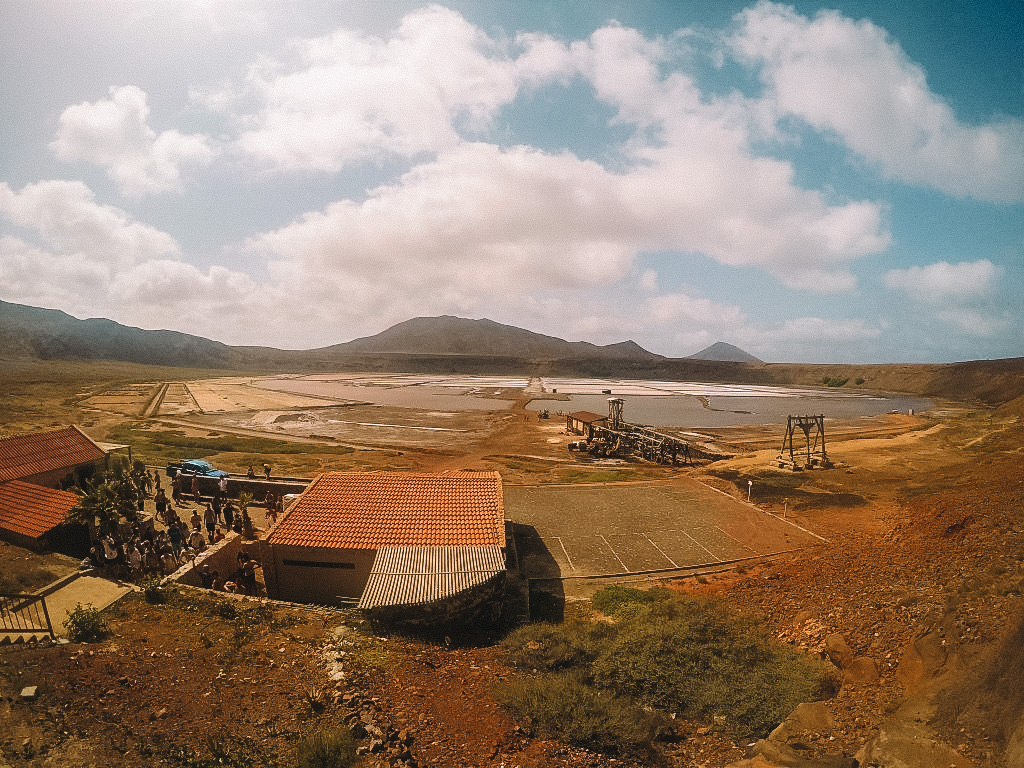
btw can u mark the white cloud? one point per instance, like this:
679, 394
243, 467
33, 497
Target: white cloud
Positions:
95, 260
477, 222
673, 308
955, 297
352, 96
974, 322
115, 134
69, 220
944, 282
848, 77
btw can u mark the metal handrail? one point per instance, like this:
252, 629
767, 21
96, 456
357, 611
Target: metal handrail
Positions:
24, 614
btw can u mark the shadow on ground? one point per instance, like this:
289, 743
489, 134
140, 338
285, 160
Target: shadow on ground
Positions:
540, 593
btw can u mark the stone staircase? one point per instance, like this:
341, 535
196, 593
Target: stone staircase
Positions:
26, 638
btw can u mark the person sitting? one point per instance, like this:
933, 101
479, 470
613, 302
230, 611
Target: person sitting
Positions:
167, 562
206, 576
218, 535
218, 582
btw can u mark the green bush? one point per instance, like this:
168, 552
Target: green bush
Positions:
837, 381
85, 624
663, 653
611, 600
688, 655
550, 647
564, 706
326, 749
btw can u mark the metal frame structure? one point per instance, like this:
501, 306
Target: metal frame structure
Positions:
21, 615
813, 451
620, 437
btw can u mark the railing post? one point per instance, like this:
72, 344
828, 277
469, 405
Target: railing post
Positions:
46, 614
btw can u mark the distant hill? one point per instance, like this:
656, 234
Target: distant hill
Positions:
724, 353
447, 335
49, 334
452, 345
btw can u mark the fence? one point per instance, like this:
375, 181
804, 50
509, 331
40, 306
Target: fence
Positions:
24, 614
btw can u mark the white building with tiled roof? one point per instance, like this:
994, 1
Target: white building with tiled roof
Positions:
395, 541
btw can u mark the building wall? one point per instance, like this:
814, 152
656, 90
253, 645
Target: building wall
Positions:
317, 575
221, 557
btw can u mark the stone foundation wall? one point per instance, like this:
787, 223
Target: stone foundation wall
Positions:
221, 557
480, 604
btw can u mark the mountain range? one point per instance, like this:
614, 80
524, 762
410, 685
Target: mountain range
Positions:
48, 334
453, 345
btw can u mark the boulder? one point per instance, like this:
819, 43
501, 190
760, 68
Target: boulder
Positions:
862, 670
838, 650
902, 743
921, 661
768, 754
806, 718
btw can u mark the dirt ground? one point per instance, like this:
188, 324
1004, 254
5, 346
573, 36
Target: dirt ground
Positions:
925, 550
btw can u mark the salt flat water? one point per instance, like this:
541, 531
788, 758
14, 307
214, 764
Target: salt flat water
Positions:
661, 403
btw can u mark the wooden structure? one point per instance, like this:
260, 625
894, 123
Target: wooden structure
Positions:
583, 423
811, 453
614, 436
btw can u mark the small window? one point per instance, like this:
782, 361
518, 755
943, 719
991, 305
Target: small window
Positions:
319, 564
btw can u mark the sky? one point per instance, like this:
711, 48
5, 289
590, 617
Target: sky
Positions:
838, 182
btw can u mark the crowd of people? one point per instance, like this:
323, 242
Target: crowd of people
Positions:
245, 582
148, 552
145, 553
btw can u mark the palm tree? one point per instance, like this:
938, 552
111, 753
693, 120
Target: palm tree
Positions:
109, 498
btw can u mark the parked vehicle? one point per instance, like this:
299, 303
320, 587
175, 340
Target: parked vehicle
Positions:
195, 467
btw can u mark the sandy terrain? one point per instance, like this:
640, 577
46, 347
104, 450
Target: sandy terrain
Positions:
921, 548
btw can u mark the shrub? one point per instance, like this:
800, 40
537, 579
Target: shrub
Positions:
326, 749
550, 647
563, 706
611, 600
837, 381
664, 653
690, 656
85, 624
154, 591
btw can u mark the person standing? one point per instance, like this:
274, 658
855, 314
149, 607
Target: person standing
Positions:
210, 518
174, 534
229, 515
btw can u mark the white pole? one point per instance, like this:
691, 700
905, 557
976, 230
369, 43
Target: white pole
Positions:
750, 485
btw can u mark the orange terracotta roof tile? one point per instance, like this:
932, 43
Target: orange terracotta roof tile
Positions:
32, 510
38, 452
368, 510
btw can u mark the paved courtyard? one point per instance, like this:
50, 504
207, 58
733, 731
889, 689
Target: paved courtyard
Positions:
580, 530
